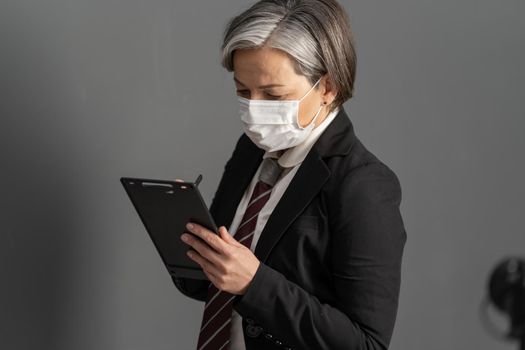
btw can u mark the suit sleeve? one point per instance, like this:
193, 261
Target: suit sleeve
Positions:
192, 288
367, 240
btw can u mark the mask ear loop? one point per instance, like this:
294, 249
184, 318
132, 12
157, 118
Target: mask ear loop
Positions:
313, 86
313, 120
319, 111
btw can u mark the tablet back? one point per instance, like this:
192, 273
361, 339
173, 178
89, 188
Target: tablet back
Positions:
165, 207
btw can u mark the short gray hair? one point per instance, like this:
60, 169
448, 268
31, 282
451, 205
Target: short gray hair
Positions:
315, 33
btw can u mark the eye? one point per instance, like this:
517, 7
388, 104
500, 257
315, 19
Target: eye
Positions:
273, 97
243, 93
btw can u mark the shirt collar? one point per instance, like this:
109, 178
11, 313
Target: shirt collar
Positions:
295, 155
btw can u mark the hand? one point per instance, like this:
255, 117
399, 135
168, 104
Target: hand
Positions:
228, 264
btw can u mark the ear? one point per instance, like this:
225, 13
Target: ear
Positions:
328, 89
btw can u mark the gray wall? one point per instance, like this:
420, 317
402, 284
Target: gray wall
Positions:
94, 90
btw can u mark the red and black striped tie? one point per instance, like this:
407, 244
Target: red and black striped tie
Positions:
216, 322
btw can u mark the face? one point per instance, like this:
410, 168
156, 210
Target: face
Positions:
268, 74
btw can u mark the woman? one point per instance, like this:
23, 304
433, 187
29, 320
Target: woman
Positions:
319, 267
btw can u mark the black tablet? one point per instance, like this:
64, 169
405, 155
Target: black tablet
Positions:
165, 207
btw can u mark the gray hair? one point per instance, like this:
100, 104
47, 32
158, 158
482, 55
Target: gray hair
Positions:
315, 33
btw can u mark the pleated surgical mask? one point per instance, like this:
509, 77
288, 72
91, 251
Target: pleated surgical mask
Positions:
274, 124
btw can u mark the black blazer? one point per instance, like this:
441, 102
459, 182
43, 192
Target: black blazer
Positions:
330, 252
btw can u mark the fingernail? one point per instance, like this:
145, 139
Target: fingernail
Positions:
190, 226
184, 237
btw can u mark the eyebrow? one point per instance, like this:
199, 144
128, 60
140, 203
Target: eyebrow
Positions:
262, 86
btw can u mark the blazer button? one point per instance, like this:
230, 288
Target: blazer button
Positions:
253, 331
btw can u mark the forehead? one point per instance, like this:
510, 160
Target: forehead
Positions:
263, 65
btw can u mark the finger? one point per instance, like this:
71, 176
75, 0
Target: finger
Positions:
202, 248
205, 264
213, 279
211, 238
227, 237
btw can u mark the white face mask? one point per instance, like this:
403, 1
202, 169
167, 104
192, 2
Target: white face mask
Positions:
274, 125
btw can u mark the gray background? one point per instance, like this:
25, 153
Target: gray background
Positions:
94, 90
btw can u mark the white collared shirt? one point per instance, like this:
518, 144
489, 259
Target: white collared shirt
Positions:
290, 159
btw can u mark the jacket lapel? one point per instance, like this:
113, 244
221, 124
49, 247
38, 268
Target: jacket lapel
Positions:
313, 172
337, 139
308, 180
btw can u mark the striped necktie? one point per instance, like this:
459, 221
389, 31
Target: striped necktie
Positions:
216, 322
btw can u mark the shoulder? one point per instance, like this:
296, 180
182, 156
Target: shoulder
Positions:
363, 197
360, 166
359, 179
245, 145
